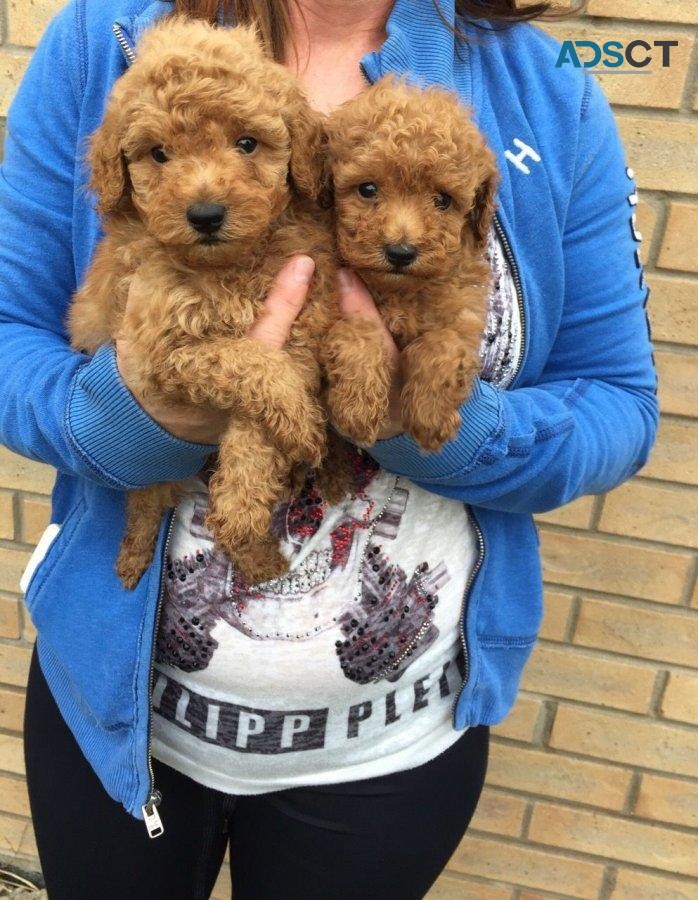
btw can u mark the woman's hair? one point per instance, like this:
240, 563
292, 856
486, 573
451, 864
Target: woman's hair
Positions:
272, 17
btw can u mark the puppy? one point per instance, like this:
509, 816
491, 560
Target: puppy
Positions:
206, 168
414, 195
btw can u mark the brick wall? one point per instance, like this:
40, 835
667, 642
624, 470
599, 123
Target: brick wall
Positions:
592, 788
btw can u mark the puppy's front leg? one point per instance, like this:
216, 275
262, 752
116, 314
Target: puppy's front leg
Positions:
355, 359
439, 368
335, 477
259, 382
144, 511
251, 476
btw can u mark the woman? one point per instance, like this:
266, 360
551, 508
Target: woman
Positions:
326, 783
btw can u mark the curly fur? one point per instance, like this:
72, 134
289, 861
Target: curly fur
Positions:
194, 91
413, 144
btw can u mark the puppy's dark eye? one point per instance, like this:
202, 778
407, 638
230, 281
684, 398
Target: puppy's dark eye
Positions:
159, 155
246, 144
442, 201
368, 190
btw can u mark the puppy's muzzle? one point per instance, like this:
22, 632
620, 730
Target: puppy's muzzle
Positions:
206, 218
400, 255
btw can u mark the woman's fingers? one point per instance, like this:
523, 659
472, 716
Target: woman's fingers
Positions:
356, 300
284, 302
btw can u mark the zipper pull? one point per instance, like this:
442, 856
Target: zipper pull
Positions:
151, 816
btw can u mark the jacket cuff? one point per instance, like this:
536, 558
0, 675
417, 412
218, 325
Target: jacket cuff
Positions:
481, 418
117, 438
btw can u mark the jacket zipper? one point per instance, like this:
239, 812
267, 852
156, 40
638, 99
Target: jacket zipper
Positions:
151, 816
464, 606
126, 48
516, 274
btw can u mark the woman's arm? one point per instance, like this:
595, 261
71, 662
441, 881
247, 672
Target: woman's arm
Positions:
591, 421
56, 405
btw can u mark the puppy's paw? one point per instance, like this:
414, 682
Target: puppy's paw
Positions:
335, 479
228, 531
431, 422
260, 562
131, 567
358, 415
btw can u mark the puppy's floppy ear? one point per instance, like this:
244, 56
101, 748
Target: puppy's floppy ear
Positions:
309, 166
109, 179
480, 217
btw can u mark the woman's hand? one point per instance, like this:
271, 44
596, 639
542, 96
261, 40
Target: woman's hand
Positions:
355, 300
203, 425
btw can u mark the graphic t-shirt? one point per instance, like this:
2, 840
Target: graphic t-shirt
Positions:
350, 665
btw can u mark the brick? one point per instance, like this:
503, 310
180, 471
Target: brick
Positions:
450, 887
678, 374
12, 66
673, 308
28, 19
223, 889
36, 514
680, 700
649, 10
633, 885
556, 615
14, 664
11, 709
28, 629
499, 813
542, 771
27, 846
12, 564
527, 866
614, 566
11, 754
671, 459
7, 524
663, 88
620, 838
626, 739
667, 800
661, 150
638, 630
22, 474
647, 221
520, 724
16, 837
574, 515
13, 796
574, 675
9, 617
533, 895
655, 512
678, 249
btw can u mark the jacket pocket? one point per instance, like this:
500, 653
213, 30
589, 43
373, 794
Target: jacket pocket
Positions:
501, 664
52, 544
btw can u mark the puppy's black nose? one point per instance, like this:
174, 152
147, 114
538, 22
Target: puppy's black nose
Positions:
206, 218
400, 254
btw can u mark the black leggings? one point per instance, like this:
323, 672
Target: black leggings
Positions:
386, 838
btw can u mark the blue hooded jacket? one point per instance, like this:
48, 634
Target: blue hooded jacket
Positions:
580, 416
